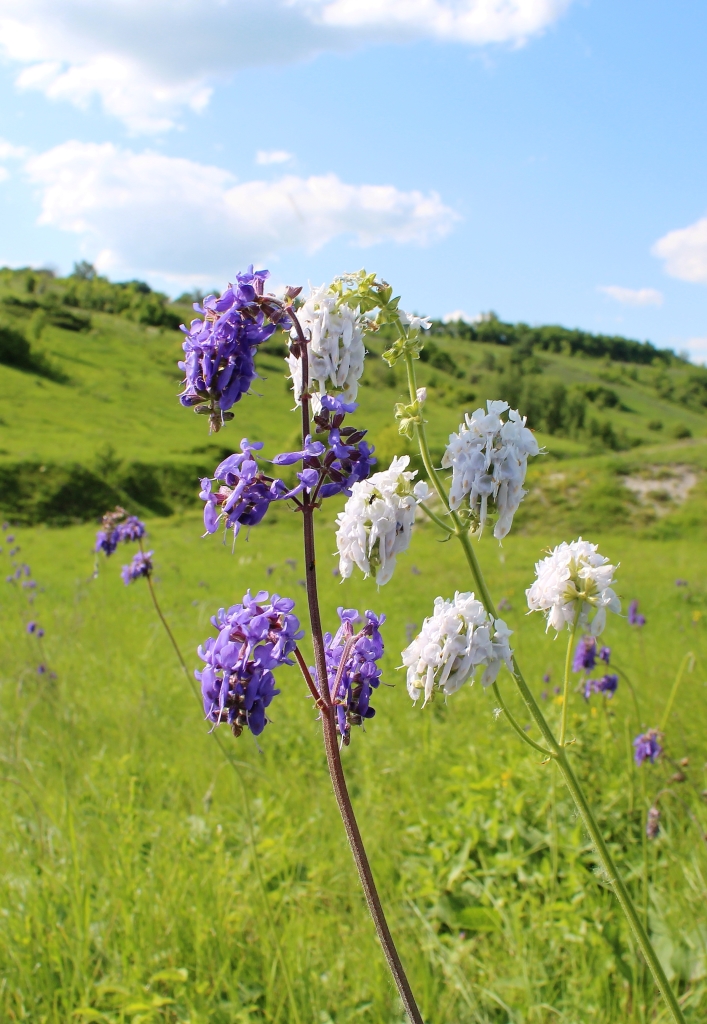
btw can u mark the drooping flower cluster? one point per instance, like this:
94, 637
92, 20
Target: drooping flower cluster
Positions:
360, 673
376, 524
244, 494
607, 685
572, 581
254, 637
117, 527
335, 352
646, 746
141, 565
219, 364
457, 640
634, 616
489, 459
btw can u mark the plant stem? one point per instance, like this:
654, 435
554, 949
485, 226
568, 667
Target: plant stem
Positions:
566, 684
689, 658
521, 732
331, 746
558, 751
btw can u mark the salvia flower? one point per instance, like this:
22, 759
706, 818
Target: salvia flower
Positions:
219, 351
254, 638
585, 656
653, 823
335, 352
572, 581
634, 616
141, 565
607, 685
118, 527
455, 641
361, 672
333, 468
376, 524
489, 459
605, 655
646, 746
244, 494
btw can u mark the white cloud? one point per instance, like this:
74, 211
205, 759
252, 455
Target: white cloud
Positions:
685, 252
272, 156
696, 349
458, 314
147, 60
633, 296
152, 214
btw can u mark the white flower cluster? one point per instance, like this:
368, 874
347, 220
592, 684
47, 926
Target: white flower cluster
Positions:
414, 323
459, 638
571, 581
489, 458
377, 520
336, 352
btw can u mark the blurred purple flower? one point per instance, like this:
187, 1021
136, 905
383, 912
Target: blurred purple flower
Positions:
605, 655
634, 618
31, 627
647, 746
141, 565
255, 637
585, 656
681, 583
607, 684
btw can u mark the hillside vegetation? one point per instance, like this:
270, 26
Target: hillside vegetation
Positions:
90, 416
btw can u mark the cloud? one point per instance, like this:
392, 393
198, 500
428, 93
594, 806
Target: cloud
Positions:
633, 296
272, 156
148, 60
696, 350
685, 252
458, 314
152, 214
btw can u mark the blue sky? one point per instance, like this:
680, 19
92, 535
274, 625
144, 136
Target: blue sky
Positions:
542, 158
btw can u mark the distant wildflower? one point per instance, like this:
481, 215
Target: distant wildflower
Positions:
605, 655
585, 656
131, 529
335, 352
647, 746
455, 641
361, 673
607, 684
376, 524
141, 565
634, 617
254, 637
117, 527
219, 363
574, 578
546, 677
681, 583
31, 627
245, 492
489, 459
653, 823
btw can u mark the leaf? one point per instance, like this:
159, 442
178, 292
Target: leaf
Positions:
175, 974
479, 919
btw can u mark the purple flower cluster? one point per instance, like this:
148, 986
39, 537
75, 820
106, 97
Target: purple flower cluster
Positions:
585, 657
647, 747
116, 527
360, 673
141, 565
634, 617
245, 492
34, 629
237, 684
332, 468
219, 364
607, 684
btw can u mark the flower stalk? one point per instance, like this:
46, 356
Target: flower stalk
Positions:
557, 749
331, 746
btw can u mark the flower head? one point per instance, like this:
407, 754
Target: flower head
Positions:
376, 524
634, 616
489, 459
455, 641
572, 581
332, 468
605, 655
116, 527
254, 638
607, 684
141, 565
336, 351
653, 823
585, 656
219, 350
244, 494
646, 746
363, 646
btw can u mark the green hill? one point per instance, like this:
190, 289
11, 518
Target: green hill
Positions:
90, 417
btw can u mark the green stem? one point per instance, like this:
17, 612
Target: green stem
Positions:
435, 518
566, 685
689, 658
521, 732
558, 751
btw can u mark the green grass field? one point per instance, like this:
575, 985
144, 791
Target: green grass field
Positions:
136, 883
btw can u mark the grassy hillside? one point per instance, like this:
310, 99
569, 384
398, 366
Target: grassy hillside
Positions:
90, 415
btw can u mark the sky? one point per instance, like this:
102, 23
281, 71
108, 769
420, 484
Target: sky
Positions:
544, 159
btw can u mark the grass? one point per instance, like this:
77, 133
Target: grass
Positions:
128, 889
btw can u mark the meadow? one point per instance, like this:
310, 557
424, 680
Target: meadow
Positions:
144, 877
